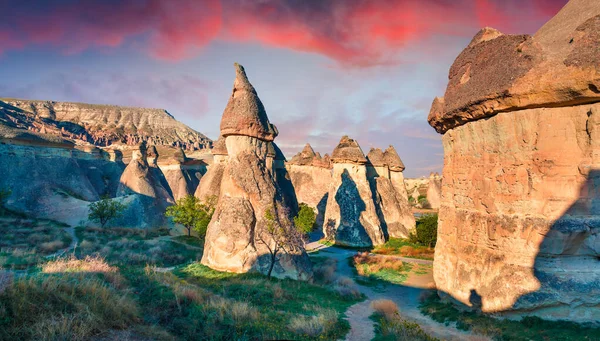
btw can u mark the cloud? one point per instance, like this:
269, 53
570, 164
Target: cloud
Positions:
352, 32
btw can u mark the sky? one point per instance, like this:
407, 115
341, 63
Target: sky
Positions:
364, 68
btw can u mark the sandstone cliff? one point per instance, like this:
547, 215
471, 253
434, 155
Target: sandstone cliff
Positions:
519, 218
238, 238
104, 125
350, 216
434, 191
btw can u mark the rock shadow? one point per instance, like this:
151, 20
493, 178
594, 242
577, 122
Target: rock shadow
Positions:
350, 230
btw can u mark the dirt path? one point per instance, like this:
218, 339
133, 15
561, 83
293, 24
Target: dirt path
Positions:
405, 296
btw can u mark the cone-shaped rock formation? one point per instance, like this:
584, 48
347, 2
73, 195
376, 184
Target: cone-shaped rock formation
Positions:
351, 217
250, 201
210, 185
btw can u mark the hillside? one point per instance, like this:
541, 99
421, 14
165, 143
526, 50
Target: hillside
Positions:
102, 125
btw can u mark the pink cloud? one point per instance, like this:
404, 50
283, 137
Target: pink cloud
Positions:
351, 32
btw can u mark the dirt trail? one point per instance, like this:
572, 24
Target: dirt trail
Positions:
72, 246
406, 297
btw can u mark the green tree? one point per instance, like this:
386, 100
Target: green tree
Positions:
426, 231
192, 213
305, 220
4, 194
278, 234
105, 210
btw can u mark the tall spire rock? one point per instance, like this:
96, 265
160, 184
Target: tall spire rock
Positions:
245, 114
251, 202
518, 219
351, 218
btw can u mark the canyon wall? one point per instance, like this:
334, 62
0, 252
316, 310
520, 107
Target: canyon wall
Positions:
519, 217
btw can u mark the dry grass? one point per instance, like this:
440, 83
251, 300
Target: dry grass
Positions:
386, 308
324, 273
69, 306
87, 265
314, 325
346, 287
366, 264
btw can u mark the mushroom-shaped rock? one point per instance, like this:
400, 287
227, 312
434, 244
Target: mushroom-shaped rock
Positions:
245, 113
392, 159
348, 151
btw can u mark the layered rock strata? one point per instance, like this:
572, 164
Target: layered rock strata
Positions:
519, 218
350, 216
237, 239
384, 172
311, 176
181, 175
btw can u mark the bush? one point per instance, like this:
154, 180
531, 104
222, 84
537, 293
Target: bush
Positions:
105, 210
193, 214
305, 220
426, 231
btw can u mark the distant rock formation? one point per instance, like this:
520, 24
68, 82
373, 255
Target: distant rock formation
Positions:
434, 190
384, 172
147, 183
181, 175
519, 219
350, 216
311, 176
104, 125
210, 185
236, 236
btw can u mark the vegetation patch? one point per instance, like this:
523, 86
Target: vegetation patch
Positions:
69, 305
133, 247
405, 248
426, 231
381, 268
285, 309
528, 328
42, 236
389, 325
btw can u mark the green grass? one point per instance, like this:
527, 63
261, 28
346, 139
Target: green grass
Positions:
190, 240
405, 248
398, 329
16, 259
528, 328
42, 236
281, 302
134, 247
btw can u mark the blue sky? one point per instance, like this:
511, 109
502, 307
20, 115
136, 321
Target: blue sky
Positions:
323, 69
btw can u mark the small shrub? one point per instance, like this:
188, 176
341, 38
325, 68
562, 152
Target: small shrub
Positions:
105, 210
324, 273
386, 308
193, 214
346, 288
426, 230
315, 325
305, 220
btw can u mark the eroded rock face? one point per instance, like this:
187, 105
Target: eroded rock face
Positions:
389, 193
210, 184
236, 237
519, 217
350, 216
146, 181
311, 177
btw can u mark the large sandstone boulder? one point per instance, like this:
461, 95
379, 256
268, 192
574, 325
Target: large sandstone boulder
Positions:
519, 218
237, 238
311, 176
351, 218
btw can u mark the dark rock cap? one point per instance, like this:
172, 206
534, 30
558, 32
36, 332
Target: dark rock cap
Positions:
348, 151
245, 113
219, 147
392, 159
376, 158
